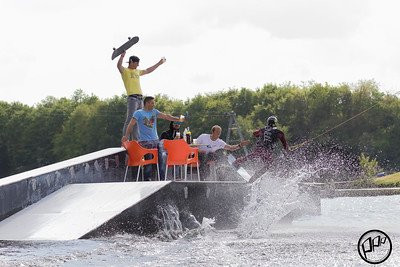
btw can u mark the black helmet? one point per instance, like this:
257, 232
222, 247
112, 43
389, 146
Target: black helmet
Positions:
272, 120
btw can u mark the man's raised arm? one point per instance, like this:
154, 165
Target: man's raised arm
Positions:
119, 64
152, 68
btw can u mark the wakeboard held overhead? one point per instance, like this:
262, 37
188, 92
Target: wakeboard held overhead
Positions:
118, 51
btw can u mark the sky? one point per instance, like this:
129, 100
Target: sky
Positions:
53, 47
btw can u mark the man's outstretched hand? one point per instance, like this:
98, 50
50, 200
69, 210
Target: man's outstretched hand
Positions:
244, 143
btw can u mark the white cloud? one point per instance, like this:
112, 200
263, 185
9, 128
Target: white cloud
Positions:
288, 19
53, 47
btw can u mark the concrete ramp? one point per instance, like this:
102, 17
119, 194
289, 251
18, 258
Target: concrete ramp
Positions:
75, 210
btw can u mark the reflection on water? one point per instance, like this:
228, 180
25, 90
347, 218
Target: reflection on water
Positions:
326, 240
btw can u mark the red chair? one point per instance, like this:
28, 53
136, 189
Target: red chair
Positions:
136, 155
193, 161
180, 153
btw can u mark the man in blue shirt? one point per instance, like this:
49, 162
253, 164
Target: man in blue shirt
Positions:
146, 120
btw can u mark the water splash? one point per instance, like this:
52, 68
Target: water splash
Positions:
276, 197
207, 225
271, 199
175, 224
168, 221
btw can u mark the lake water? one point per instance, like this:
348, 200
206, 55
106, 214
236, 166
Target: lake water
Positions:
329, 239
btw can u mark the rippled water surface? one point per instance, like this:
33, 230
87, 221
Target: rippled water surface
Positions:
326, 240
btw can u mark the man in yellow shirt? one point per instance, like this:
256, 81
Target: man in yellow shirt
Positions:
131, 79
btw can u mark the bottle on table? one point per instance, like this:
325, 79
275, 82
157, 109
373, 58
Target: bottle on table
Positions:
185, 135
188, 136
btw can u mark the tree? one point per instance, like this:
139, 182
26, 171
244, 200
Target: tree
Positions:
57, 129
369, 166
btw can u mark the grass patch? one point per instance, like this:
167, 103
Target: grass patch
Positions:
388, 180
363, 183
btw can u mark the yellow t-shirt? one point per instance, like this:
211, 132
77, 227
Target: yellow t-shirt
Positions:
132, 81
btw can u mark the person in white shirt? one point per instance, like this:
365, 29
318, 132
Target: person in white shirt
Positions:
209, 144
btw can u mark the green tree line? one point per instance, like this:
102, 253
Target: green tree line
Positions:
60, 128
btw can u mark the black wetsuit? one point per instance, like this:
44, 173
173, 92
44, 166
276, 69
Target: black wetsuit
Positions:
267, 140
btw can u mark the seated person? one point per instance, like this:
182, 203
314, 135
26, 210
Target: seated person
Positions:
209, 144
171, 133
